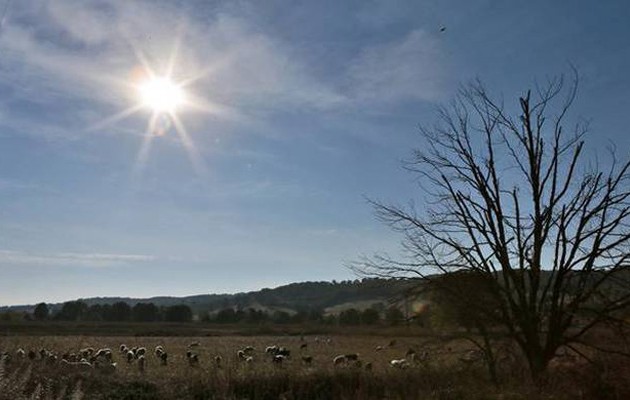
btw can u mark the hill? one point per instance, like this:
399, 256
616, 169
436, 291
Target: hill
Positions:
294, 297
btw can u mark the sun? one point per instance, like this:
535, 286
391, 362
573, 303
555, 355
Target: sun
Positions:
161, 95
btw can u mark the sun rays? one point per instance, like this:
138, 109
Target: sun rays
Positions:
157, 91
161, 95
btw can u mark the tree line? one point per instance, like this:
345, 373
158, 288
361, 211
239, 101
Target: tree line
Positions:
149, 312
117, 312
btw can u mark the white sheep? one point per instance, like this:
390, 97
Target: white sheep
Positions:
20, 354
339, 360
400, 363
140, 351
278, 359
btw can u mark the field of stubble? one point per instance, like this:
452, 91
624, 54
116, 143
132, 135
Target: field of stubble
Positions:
442, 375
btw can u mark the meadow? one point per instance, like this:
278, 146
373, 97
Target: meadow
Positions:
440, 370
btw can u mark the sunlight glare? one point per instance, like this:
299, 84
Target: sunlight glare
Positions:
161, 95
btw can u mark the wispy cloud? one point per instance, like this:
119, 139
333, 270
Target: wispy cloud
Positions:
69, 259
409, 68
80, 54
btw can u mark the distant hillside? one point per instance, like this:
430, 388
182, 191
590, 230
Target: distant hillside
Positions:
303, 296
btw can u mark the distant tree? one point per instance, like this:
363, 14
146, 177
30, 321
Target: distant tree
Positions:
226, 316
145, 312
95, 313
315, 316
178, 313
394, 316
281, 317
351, 316
72, 311
120, 311
370, 316
41, 312
253, 316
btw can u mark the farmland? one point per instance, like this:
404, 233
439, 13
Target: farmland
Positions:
442, 372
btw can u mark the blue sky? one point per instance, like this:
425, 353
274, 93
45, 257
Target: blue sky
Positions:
308, 107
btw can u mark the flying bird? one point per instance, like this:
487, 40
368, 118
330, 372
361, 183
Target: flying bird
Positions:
442, 29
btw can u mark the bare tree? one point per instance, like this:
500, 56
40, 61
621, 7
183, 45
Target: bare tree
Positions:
511, 202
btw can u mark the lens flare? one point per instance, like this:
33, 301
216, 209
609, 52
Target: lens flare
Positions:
161, 95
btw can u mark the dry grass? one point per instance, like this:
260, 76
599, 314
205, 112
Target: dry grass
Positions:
442, 377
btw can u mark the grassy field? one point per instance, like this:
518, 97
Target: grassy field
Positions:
441, 376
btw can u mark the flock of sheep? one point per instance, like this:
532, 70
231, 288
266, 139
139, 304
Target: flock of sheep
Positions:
105, 361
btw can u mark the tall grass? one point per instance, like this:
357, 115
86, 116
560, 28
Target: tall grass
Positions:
440, 378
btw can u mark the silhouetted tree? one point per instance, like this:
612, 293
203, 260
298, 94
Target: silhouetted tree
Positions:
120, 311
145, 312
281, 317
226, 316
178, 313
41, 312
370, 316
350, 316
512, 203
72, 311
394, 316
94, 313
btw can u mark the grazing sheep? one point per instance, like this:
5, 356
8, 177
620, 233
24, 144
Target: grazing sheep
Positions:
51, 359
104, 353
283, 351
339, 360
249, 359
140, 351
164, 358
193, 359
194, 344
248, 350
158, 351
141, 363
87, 352
241, 355
130, 356
123, 349
272, 350
20, 354
105, 367
5, 358
278, 359
401, 363
307, 360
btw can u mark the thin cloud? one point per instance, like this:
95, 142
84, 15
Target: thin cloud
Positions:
412, 67
70, 259
79, 56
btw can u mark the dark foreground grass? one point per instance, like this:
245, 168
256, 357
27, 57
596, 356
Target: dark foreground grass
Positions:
442, 377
